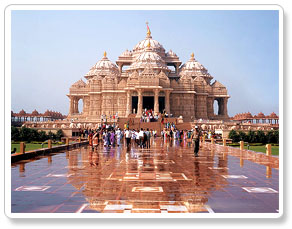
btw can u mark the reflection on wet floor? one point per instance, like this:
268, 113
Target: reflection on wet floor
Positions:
166, 178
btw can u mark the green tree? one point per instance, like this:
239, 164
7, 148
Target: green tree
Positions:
51, 135
234, 136
25, 134
270, 136
59, 134
43, 136
276, 137
251, 136
261, 137
242, 136
14, 133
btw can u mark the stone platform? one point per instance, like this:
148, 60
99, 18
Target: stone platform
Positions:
166, 178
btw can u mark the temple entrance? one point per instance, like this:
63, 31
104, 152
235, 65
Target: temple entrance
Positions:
161, 101
148, 102
134, 104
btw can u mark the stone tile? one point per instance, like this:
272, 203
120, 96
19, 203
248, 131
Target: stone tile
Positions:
259, 190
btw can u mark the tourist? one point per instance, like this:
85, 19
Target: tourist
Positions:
112, 138
119, 136
196, 139
128, 137
133, 136
141, 137
90, 139
148, 136
95, 140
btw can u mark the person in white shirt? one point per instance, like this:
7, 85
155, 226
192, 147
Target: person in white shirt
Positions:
128, 137
141, 136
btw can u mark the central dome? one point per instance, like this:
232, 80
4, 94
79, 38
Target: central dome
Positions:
148, 58
154, 45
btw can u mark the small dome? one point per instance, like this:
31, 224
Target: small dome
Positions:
35, 112
127, 53
22, 112
273, 115
79, 83
261, 115
193, 65
170, 53
102, 66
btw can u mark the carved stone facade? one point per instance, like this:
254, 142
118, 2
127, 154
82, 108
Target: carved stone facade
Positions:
148, 77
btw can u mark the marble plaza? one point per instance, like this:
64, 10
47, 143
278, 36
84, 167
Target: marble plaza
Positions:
166, 178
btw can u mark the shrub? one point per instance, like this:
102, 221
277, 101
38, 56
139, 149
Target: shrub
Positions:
59, 134
242, 136
234, 136
251, 136
261, 137
51, 135
14, 133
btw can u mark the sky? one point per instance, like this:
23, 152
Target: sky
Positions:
53, 49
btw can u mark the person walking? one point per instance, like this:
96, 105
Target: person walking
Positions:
128, 137
148, 136
119, 136
141, 137
95, 140
196, 139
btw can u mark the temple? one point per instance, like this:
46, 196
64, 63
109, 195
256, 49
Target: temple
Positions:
148, 77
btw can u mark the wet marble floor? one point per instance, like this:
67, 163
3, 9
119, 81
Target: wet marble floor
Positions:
167, 178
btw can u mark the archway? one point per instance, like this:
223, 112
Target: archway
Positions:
216, 107
80, 105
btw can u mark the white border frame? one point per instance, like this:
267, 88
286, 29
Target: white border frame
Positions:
7, 116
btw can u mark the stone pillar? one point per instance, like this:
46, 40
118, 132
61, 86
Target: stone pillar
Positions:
268, 149
67, 141
22, 147
268, 171
49, 143
225, 111
129, 103
76, 105
140, 103
212, 141
241, 143
224, 141
167, 106
156, 103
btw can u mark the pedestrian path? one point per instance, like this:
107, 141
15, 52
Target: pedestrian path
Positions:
166, 178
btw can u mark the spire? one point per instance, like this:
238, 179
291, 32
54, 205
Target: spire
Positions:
148, 45
192, 56
104, 54
148, 30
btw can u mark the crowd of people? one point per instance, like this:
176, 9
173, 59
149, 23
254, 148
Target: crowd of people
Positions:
149, 116
111, 136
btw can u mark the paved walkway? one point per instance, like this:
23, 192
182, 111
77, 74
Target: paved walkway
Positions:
166, 178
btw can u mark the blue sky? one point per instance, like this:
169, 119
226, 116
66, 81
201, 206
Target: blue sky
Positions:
53, 49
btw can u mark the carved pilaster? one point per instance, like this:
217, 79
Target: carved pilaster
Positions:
129, 103
156, 103
140, 103
167, 106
